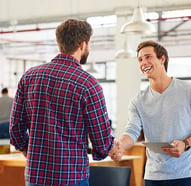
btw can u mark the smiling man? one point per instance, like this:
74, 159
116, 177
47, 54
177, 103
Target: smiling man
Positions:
163, 111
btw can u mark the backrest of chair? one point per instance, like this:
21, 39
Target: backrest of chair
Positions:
109, 176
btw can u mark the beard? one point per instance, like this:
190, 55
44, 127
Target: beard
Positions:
84, 57
83, 60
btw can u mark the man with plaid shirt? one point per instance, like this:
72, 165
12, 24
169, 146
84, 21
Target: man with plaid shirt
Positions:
56, 107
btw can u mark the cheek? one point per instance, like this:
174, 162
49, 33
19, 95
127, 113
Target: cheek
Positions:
140, 68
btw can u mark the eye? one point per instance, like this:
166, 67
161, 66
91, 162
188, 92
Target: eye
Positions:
140, 60
148, 57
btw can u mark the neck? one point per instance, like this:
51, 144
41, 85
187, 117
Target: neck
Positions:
77, 55
160, 84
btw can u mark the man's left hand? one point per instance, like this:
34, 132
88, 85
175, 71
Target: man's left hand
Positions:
176, 150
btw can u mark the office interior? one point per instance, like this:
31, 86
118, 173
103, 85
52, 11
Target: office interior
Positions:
27, 38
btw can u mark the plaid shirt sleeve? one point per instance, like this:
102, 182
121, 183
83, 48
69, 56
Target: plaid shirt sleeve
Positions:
18, 130
98, 122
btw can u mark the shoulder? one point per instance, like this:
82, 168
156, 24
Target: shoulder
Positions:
35, 69
91, 83
139, 99
141, 95
182, 84
6, 98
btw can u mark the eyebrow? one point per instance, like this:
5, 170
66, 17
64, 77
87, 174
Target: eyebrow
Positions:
145, 55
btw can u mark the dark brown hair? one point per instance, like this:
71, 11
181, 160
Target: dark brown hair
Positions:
4, 91
159, 50
71, 33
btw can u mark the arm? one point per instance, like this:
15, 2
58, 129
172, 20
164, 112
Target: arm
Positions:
126, 142
18, 122
97, 122
179, 147
131, 134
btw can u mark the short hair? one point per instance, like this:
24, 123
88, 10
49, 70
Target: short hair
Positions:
159, 50
71, 33
4, 91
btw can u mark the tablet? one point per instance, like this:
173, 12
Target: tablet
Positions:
156, 146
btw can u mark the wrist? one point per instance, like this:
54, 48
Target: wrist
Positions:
187, 145
126, 142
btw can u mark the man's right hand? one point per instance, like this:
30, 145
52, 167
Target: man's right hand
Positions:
117, 151
125, 142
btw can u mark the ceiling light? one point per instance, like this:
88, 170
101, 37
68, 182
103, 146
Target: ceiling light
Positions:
91, 68
124, 54
138, 24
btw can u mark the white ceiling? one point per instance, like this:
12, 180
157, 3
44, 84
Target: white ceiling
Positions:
43, 43
35, 11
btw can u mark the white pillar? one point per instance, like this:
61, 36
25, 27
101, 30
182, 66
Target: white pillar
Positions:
127, 75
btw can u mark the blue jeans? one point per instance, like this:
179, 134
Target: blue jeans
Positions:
84, 182
175, 182
4, 130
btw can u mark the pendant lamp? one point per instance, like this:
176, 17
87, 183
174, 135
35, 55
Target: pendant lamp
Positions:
126, 52
138, 24
91, 68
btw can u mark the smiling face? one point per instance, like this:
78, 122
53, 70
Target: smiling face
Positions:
149, 64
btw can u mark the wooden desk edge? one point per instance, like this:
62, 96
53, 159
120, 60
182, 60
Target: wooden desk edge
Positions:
19, 161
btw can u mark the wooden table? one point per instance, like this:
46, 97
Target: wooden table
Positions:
139, 165
12, 167
4, 146
12, 170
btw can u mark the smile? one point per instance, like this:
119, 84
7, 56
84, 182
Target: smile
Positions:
147, 69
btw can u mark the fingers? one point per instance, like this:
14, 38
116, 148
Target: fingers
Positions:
116, 152
176, 150
174, 143
116, 157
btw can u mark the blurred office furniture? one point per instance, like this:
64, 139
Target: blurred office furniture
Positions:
139, 165
4, 146
110, 176
11, 171
13, 165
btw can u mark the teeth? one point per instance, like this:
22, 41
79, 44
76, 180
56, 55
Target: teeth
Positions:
147, 69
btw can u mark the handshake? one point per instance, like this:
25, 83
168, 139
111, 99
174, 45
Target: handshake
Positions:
117, 151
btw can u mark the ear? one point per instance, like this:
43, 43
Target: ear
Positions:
163, 59
82, 45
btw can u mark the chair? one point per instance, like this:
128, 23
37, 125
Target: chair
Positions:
109, 176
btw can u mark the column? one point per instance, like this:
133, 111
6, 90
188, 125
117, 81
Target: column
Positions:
127, 73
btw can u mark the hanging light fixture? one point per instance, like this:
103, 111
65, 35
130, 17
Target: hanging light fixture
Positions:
138, 24
123, 53
91, 68
126, 52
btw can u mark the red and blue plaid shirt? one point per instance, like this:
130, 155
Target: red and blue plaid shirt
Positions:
56, 107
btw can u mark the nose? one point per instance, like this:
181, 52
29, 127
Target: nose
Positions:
143, 62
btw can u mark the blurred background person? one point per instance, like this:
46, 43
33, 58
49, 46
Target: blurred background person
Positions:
5, 111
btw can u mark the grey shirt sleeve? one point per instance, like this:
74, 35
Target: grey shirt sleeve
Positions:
134, 125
